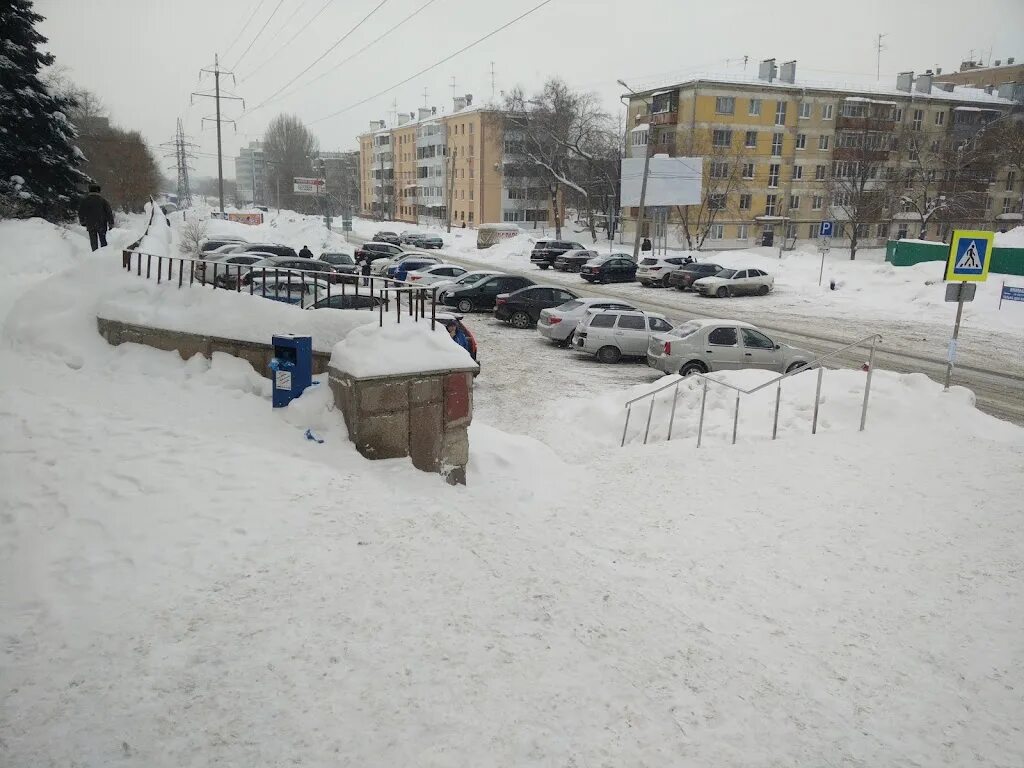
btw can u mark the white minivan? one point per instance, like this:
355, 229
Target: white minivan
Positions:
613, 333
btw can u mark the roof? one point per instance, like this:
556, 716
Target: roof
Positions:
705, 322
436, 118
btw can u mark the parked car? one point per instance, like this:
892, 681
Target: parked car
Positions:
684, 277
735, 282
381, 266
559, 323
408, 238
655, 271
435, 274
546, 251
344, 301
615, 333
387, 237
700, 346
613, 268
522, 308
343, 263
483, 293
467, 279
571, 261
308, 267
400, 269
428, 241
227, 266
274, 248
213, 243
375, 250
288, 287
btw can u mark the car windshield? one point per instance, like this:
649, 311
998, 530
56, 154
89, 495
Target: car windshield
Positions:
338, 258
686, 329
726, 274
470, 279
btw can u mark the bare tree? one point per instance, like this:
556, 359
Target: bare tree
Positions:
192, 233
1005, 140
289, 148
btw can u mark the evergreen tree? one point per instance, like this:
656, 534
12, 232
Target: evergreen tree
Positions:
39, 161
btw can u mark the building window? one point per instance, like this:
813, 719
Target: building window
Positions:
823, 143
816, 202
716, 202
751, 140
883, 230
748, 170
898, 115
773, 175
1011, 179
755, 107
826, 111
717, 232
741, 232
813, 230
819, 172
854, 109
940, 118
721, 138
471, 129
770, 205
801, 141
918, 119
471, 213
791, 231
639, 138
725, 105
1007, 205
719, 170
777, 144
780, 113
798, 173
805, 109
745, 200
471, 194
794, 202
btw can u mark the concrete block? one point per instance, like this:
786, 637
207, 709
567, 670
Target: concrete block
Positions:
382, 436
455, 447
382, 396
458, 399
425, 434
425, 390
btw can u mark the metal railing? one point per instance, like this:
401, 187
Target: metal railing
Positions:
777, 381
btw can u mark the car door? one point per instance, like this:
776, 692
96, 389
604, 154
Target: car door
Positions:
759, 351
631, 334
536, 299
722, 348
489, 290
739, 283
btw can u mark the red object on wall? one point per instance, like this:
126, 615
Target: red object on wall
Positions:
456, 396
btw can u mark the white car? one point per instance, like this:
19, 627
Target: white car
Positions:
381, 266
654, 270
436, 275
467, 279
735, 282
612, 334
559, 323
700, 346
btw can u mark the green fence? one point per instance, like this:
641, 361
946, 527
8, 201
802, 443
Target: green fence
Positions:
905, 253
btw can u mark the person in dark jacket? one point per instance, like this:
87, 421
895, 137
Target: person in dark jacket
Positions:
306, 253
366, 270
95, 215
646, 244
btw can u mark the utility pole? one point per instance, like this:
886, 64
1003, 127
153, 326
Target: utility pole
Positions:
182, 154
451, 183
643, 196
216, 96
878, 56
453, 87
425, 97
492, 82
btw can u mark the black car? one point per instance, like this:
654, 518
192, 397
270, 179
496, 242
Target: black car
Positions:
571, 261
344, 263
217, 242
387, 237
348, 301
284, 264
546, 251
522, 308
483, 294
683, 278
375, 250
274, 248
615, 268
428, 241
224, 270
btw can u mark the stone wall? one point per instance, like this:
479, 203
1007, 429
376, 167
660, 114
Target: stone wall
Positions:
189, 344
424, 416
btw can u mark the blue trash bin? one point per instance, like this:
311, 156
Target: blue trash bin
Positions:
291, 367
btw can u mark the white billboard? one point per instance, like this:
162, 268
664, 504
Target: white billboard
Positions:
306, 186
670, 181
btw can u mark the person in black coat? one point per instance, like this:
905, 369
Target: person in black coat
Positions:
95, 215
366, 270
306, 253
646, 244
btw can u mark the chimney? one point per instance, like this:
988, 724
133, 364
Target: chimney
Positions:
999, 62
404, 117
1010, 61
938, 70
424, 113
767, 70
923, 84
459, 103
989, 89
904, 81
376, 125
947, 87
433, 110
788, 72
469, 99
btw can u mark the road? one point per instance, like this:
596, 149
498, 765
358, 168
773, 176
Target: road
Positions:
998, 392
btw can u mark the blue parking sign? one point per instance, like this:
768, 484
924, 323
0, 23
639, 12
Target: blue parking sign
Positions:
828, 228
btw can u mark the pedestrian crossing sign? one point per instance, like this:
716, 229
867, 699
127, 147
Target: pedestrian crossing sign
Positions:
970, 253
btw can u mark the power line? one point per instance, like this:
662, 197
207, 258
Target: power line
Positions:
436, 64
290, 41
253, 42
247, 22
337, 42
349, 58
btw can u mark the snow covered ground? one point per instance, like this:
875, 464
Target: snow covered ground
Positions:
186, 580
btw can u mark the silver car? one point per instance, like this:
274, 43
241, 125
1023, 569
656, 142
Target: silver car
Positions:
701, 346
559, 323
612, 334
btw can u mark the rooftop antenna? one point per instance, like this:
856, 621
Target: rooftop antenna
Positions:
879, 47
492, 81
453, 87
426, 97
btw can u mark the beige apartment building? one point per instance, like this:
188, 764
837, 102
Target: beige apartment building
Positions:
772, 147
428, 163
990, 78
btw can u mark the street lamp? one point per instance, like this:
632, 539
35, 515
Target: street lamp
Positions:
643, 182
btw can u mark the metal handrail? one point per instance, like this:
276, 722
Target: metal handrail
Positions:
874, 338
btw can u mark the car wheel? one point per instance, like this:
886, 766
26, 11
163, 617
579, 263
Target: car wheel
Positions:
520, 320
609, 354
568, 340
664, 282
543, 266
465, 305
722, 292
762, 291
692, 368
796, 367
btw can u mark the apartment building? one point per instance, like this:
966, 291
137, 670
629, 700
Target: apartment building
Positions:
341, 170
250, 175
465, 161
975, 75
773, 147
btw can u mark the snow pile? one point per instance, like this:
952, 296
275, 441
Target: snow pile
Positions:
157, 239
408, 347
1012, 239
287, 228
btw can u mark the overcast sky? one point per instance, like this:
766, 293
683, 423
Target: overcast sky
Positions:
143, 58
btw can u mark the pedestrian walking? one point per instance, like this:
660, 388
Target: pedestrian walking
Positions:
646, 244
366, 270
95, 215
306, 253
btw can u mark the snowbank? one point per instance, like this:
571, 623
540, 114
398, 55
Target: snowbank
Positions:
408, 347
287, 228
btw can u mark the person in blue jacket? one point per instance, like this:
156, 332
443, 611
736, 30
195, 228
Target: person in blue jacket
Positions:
459, 337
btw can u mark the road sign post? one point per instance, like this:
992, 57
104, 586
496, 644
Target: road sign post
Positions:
824, 245
970, 253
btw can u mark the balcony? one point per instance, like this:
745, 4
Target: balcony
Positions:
859, 154
664, 147
885, 125
665, 118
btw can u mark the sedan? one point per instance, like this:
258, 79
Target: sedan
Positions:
522, 308
387, 237
655, 271
308, 267
467, 279
735, 282
429, 241
571, 261
345, 301
615, 268
684, 278
401, 269
559, 323
435, 274
701, 346
344, 263
228, 266
483, 293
